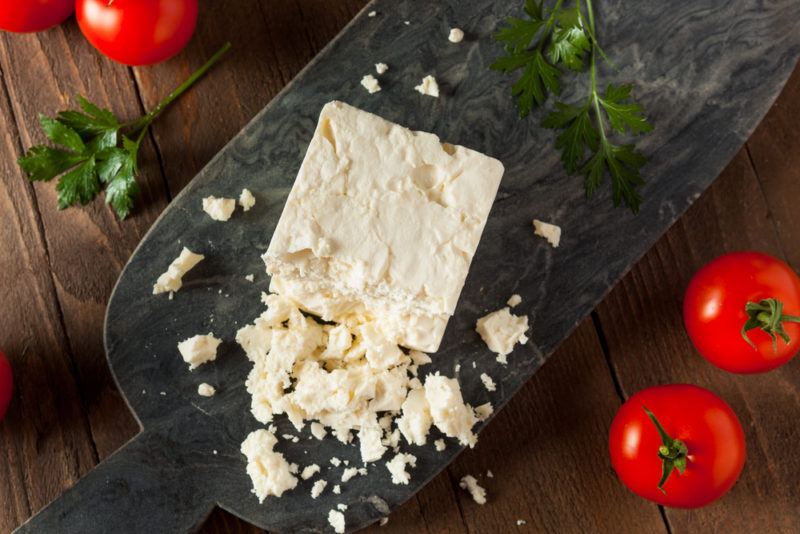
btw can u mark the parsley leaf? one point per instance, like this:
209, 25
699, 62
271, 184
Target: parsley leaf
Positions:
87, 155
622, 114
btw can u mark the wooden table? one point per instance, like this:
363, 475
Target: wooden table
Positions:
547, 449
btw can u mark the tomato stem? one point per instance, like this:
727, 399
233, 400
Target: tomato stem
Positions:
145, 121
768, 316
672, 452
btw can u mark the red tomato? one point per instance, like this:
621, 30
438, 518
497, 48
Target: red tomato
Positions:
715, 311
6, 384
33, 15
137, 32
707, 436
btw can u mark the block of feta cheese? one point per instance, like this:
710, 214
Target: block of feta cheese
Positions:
501, 330
199, 349
428, 87
219, 209
382, 222
172, 280
270, 472
551, 232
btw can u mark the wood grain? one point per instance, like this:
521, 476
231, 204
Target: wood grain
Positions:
648, 346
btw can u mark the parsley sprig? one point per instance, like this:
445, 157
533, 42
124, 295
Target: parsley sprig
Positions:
94, 149
565, 36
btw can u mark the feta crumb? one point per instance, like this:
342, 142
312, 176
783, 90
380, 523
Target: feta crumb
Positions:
514, 301
501, 330
172, 279
428, 87
288, 437
521, 522
336, 520
349, 473
318, 431
383, 521
317, 488
215, 452
199, 349
219, 209
381, 68
551, 232
406, 22
484, 411
397, 467
471, 485
206, 390
457, 368
372, 13
489, 473
270, 472
439, 444
370, 83
448, 411
337, 489
336, 462
250, 277
247, 200
341, 506
488, 382
456, 35
416, 420
309, 471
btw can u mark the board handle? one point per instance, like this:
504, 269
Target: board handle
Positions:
145, 487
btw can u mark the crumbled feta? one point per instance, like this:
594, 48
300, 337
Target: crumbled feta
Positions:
309, 471
397, 467
247, 200
471, 485
206, 390
372, 13
456, 35
428, 87
219, 209
551, 232
501, 330
337, 489
341, 506
381, 68
172, 279
270, 472
318, 488
371, 84
338, 251
336, 462
439, 444
514, 301
450, 415
336, 520
383, 521
369, 438
416, 420
488, 382
521, 522
489, 473
484, 411
349, 473
199, 349
250, 277
318, 431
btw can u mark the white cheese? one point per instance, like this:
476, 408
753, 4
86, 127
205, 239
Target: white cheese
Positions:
270, 472
501, 330
206, 390
372, 13
371, 84
551, 232
341, 506
448, 411
309, 471
349, 473
336, 520
336, 462
489, 473
514, 301
172, 279
416, 420
318, 431
439, 444
469, 483
338, 250
247, 200
219, 209
369, 438
456, 35
397, 467
428, 87
337, 489
521, 522
381, 68
250, 277
488, 383
484, 411
199, 349
318, 488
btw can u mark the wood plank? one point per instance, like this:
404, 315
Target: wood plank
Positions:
648, 345
87, 247
45, 441
775, 151
548, 453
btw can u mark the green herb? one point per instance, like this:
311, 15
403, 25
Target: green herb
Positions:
94, 149
565, 36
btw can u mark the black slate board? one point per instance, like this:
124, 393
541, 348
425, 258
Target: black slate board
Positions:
707, 71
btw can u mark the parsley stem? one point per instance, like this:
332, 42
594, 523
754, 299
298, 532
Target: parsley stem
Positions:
593, 72
550, 21
146, 120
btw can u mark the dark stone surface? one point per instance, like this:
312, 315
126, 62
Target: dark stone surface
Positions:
706, 71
